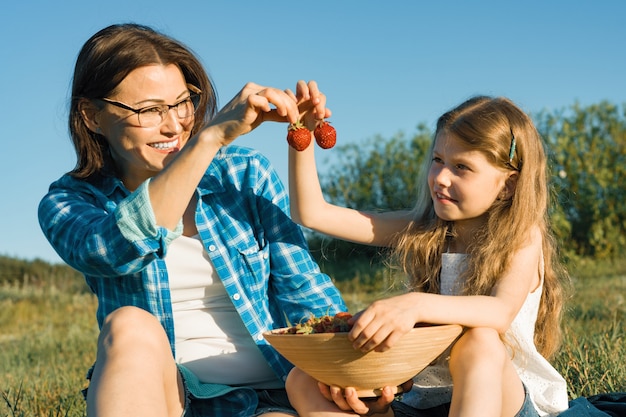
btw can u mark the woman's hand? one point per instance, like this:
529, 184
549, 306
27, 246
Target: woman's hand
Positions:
348, 400
253, 105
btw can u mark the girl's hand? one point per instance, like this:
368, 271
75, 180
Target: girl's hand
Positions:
253, 105
311, 103
347, 400
379, 326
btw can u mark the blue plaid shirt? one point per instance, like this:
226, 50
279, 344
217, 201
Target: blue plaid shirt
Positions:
110, 235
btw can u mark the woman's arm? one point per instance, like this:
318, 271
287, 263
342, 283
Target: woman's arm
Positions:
172, 189
101, 234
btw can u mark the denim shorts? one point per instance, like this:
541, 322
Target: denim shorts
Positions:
269, 400
401, 409
273, 400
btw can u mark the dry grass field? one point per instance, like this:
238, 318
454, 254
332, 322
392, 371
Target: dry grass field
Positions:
48, 336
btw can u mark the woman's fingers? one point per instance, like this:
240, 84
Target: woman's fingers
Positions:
348, 400
339, 397
256, 104
277, 104
291, 94
325, 391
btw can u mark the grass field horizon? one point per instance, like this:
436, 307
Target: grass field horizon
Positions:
48, 340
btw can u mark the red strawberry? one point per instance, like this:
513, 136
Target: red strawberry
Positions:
325, 135
298, 136
340, 322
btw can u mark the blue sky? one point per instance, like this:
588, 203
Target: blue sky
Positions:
385, 67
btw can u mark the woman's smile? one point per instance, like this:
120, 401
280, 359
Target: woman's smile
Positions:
166, 147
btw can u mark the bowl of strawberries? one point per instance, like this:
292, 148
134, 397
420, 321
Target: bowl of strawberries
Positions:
320, 347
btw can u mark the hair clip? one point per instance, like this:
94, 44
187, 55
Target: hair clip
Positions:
512, 149
512, 155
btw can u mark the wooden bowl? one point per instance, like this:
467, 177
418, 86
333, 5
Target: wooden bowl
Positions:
331, 359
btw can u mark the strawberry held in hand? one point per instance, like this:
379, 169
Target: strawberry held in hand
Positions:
298, 136
325, 135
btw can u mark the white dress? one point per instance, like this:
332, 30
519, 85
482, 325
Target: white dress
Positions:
546, 387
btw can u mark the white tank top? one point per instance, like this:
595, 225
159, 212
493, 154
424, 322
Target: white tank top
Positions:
211, 339
546, 387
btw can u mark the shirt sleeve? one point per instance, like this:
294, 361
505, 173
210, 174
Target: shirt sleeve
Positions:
137, 223
100, 234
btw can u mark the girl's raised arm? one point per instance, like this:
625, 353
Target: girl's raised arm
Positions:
310, 209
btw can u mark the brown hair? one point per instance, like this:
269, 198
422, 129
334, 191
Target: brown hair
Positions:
488, 125
104, 61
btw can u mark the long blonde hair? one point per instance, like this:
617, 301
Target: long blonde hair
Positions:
489, 125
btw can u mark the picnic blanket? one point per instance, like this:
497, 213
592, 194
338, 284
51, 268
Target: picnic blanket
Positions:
601, 405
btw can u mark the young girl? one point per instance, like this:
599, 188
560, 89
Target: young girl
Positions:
479, 252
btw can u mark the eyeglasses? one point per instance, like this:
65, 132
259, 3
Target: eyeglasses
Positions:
153, 116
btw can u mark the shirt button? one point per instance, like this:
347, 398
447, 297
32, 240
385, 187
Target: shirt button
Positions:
260, 337
265, 255
212, 248
236, 297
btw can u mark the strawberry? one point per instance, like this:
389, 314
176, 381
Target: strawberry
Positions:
340, 322
325, 135
298, 136
324, 324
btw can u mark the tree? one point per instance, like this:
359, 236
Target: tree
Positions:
378, 175
588, 154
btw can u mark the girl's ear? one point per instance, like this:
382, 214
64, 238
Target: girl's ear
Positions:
509, 186
89, 112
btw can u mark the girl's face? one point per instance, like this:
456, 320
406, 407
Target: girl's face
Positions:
463, 184
141, 152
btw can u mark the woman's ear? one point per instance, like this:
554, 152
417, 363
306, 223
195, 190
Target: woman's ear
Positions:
509, 186
89, 112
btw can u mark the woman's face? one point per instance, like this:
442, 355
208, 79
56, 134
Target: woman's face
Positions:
141, 152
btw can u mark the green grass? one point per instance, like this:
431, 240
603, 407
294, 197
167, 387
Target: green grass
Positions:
592, 357
47, 342
48, 337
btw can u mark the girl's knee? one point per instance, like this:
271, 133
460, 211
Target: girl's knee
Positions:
476, 343
480, 336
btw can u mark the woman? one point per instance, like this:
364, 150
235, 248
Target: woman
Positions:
186, 242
